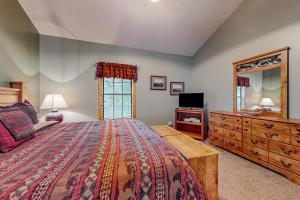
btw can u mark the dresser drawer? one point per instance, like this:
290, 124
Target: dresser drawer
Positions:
226, 118
228, 125
256, 141
216, 137
295, 141
218, 130
233, 135
256, 152
216, 116
270, 126
232, 144
273, 136
211, 122
238, 121
247, 130
247, 122
218, 123
284, 163
295, 130
237, 128
285, 150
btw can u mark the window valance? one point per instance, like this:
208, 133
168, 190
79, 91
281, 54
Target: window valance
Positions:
243, 82
116, 70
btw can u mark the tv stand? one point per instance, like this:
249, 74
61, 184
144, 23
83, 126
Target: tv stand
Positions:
191, 121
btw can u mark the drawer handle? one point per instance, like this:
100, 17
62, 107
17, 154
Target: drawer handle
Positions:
298, 129
237, 128
223, 118
288, 152
246, 122
286, 165
271, 135
231, 144
246, 130
231, 134
254, 141
269, 126
225, 125
298, 141
254, 152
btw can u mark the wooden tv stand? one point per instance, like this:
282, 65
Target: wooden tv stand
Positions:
195, 130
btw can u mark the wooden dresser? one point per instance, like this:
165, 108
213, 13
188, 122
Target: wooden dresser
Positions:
271, 142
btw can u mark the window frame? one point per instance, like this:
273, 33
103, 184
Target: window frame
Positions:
101, 99
241, 97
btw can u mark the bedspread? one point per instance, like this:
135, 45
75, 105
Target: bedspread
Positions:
110, 159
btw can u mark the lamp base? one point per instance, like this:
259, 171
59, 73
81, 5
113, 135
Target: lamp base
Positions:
55, 115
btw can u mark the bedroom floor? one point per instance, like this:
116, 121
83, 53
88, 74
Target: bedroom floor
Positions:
241, 179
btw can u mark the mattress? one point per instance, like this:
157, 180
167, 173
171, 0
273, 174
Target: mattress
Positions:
110, 159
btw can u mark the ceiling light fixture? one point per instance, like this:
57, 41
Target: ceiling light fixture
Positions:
154, 1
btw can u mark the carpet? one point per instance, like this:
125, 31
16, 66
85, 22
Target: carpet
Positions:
240, 179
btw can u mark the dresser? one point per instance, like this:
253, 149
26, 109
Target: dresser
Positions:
271, 142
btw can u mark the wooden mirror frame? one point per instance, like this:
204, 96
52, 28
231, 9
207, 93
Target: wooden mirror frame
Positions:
248, 65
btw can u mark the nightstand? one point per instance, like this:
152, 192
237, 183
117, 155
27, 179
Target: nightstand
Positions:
55, 117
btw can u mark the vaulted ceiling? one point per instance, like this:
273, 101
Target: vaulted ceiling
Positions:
169, 26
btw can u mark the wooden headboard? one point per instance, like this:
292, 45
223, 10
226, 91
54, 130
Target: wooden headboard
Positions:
12, 95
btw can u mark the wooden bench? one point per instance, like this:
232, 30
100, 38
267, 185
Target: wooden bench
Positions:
202, 158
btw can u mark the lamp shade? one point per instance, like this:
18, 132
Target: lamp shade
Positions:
54, 101
266, 102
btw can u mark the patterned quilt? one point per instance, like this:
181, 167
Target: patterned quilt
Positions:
111, 159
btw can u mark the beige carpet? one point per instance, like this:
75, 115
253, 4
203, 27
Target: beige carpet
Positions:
241, 179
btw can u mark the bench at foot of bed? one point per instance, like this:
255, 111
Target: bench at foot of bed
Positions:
202, 158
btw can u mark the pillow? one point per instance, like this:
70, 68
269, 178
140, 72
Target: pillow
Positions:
17, 122
7, 142
28, 108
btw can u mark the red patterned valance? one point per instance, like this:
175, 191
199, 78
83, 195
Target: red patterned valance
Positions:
116, 70
243, 82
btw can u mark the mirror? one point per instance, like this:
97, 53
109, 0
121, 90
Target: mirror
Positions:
259, 91
261, 85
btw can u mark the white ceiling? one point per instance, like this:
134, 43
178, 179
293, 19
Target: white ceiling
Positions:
169, 26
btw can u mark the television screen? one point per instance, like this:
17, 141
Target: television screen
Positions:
191, 100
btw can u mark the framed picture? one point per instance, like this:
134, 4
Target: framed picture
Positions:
158, 83
176, 88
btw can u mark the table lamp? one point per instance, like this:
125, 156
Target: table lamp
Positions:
266, 103
54, 102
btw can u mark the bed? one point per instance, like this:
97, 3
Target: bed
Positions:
110, 159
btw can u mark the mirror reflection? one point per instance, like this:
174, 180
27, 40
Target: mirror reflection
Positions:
259, 91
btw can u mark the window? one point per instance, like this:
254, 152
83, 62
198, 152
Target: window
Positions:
240, 97
117, 99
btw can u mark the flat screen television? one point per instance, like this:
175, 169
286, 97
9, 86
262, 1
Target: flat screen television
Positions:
191, 100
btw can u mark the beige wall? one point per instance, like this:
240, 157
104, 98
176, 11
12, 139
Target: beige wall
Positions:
66, 66
19, 48
257, 26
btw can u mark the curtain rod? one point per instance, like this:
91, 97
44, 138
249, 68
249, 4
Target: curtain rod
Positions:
95, 66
